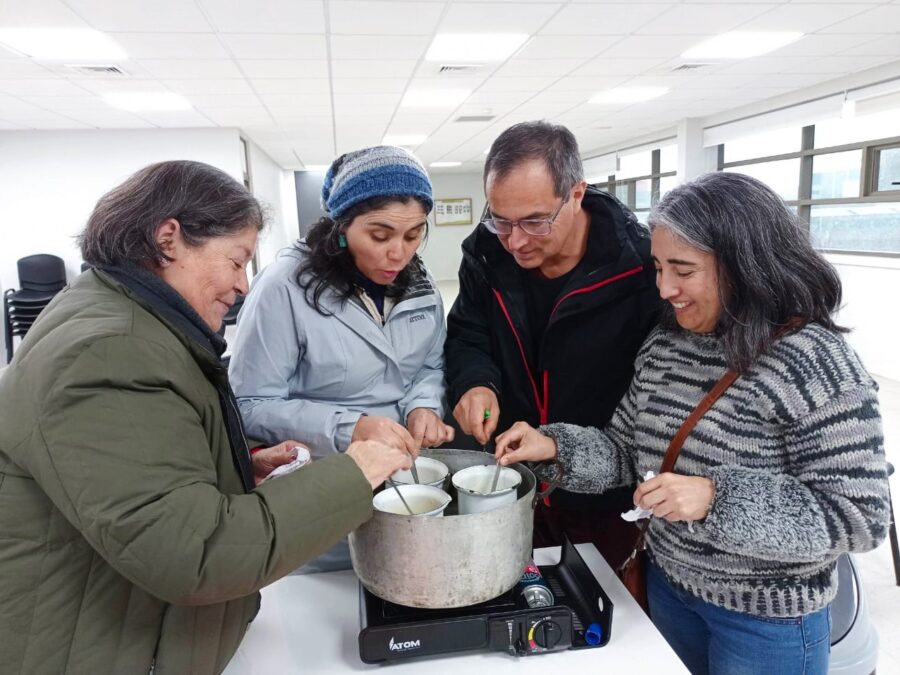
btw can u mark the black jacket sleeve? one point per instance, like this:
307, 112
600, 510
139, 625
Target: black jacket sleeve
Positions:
469, 360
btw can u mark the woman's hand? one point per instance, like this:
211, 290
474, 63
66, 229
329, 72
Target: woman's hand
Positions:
522, 442
378, 461
268, 459
427, 429
676, 497
384, 430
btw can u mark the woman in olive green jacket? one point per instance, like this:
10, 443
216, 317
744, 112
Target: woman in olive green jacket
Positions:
132, 533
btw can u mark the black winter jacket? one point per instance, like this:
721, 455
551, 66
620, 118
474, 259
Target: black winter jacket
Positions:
608, 306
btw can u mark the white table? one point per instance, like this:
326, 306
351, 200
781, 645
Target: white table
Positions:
310, 623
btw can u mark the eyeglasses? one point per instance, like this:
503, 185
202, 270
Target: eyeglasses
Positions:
536, 227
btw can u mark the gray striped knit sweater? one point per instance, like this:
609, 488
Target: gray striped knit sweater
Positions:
795, 450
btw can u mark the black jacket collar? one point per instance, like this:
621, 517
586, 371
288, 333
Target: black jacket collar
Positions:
169, 303
613, 239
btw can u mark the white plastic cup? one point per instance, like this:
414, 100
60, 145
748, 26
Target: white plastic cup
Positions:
474, 487
431, 472
423, 500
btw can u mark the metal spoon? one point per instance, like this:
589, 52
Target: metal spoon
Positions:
415, 471
496, 476
400, 494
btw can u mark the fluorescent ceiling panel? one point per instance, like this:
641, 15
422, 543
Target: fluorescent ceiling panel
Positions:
741, 44
58, 44
474, 47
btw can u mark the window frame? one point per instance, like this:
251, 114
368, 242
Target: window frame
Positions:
868, 178
610, 184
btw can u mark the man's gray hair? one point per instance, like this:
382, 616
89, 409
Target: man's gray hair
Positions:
769, 275
553, 144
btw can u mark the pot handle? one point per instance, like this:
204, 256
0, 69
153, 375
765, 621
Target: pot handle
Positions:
551, 486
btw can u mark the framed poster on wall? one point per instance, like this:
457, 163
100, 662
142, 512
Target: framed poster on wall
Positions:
453, 211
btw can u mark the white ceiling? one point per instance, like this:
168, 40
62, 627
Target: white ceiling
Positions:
307, 80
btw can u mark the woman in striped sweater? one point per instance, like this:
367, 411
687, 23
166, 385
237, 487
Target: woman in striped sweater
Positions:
783, 474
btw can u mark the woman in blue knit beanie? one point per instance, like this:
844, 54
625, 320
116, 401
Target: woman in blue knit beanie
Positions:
341, 338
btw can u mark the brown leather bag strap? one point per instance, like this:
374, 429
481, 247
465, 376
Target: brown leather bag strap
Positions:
687, 427
675, 444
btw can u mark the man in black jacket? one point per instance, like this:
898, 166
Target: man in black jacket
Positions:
556, 296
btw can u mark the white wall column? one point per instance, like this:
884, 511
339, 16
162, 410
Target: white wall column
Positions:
693, 159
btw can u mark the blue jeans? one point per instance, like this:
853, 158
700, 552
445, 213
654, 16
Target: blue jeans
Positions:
719, 641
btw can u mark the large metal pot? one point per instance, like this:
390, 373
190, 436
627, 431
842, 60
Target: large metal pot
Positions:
454, 561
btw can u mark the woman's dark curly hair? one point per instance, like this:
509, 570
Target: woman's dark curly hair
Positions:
329, 266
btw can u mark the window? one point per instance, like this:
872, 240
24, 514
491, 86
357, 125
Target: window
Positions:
887, 169
644, 176
856, 227
840, 176
636, 164
781, 176
836, 175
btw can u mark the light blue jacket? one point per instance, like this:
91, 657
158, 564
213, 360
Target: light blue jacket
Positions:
301, 375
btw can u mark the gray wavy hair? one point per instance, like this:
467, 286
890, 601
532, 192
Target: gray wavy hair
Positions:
206, 202
769, 275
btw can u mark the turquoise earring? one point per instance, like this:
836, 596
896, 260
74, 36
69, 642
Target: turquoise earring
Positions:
342, 241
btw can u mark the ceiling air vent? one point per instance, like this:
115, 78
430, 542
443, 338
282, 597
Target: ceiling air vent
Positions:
96, 70
459, 69
474, 118
688, 66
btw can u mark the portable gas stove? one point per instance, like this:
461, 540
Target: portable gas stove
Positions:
580, 618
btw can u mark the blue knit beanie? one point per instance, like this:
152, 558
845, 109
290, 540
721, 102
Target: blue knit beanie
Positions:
382, 171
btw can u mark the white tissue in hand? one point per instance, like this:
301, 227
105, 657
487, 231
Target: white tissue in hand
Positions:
637, 513
302, 459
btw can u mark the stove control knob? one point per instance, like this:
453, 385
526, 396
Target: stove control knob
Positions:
547, 634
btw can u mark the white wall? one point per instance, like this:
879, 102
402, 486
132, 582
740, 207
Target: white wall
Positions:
51, 180
871, 286
274, 187
442, 253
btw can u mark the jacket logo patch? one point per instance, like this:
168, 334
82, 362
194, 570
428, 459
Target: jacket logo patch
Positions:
416, 317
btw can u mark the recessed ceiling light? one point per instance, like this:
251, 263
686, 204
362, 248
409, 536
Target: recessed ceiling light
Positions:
628, 94
405, 140
83, 44
444, 165
434, 98
316, 168
474, 47
741, 44
147, 101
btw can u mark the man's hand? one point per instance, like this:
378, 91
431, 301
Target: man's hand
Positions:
471, 415
384, 430
676, 497
427, 429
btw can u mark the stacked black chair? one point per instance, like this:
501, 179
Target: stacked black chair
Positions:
41, 277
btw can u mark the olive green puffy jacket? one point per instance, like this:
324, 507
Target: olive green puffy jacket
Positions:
126, 538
